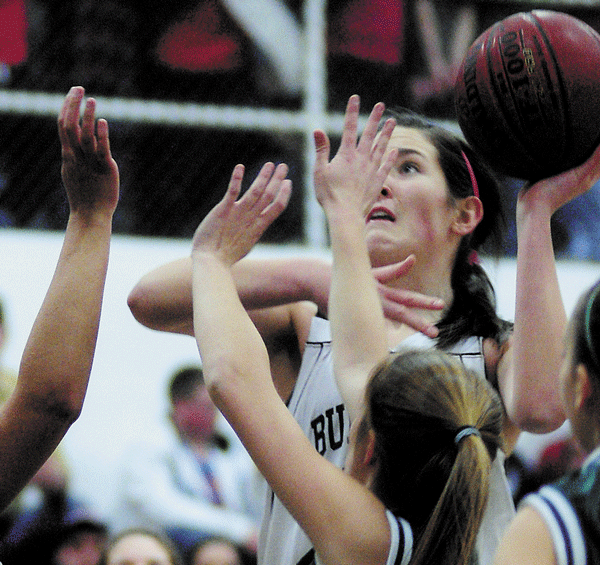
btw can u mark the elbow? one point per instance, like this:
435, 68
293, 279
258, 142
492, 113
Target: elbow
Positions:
537, 418
139, 304
220, 377
231, 383
58, 408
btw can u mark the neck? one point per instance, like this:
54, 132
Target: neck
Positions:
430, 279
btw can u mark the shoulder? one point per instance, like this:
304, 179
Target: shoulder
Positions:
527, 541
554, 517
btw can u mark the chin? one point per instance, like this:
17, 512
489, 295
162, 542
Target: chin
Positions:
384, 249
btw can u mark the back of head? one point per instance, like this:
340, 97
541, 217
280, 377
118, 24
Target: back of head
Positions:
130, 545
184, 382
419, 403
585, 332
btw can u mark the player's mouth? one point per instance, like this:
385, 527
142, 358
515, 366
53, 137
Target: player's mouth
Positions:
380, 213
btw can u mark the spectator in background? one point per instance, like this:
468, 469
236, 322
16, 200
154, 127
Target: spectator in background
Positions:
80, 540
217, 551
366, 51
190, 485
141, 546
443, 48
46, 512
13, 37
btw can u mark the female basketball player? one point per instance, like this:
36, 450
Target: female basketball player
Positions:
387, 508
422, 232
561, 522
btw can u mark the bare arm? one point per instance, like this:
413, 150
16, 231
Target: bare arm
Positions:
57, 359
345, 187
528, 377
526, 542
162, 299
332, 508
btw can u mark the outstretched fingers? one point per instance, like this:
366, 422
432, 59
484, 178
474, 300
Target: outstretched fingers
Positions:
323, 148
349, 134
88, 127
269, 193
235, 185
68, 120
367, 139
236, 223
103, 143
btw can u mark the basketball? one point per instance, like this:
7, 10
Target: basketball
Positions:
528, 94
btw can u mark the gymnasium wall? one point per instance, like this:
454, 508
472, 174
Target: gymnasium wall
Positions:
126, 397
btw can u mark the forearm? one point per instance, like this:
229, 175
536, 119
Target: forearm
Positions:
230, 347
162, 299
540, 321
357, 321
58, 356
262, 283
57, 359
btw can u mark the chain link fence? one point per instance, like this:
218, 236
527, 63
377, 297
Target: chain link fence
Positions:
177, 132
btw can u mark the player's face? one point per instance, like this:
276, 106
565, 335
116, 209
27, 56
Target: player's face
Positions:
414, 210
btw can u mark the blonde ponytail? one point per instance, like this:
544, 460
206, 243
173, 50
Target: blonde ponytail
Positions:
446, 422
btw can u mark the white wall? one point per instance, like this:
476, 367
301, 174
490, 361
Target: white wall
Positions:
126, 397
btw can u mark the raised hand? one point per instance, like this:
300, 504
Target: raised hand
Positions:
233, 226
90, 174
564, 187
356, 174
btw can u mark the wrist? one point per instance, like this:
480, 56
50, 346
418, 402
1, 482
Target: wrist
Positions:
339, 213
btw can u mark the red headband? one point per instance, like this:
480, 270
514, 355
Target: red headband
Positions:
473, 257
471, 174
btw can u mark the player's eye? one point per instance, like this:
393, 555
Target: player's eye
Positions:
408, 167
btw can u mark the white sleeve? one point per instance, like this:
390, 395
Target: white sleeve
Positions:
402, 540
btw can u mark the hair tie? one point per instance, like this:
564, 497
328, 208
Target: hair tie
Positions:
464, 432
471, 174
587, 324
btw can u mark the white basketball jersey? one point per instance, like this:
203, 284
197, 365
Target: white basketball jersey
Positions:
317, 406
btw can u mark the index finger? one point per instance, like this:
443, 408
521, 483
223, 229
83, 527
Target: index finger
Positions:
69, 116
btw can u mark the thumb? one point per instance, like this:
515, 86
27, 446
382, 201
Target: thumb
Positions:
394, 270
